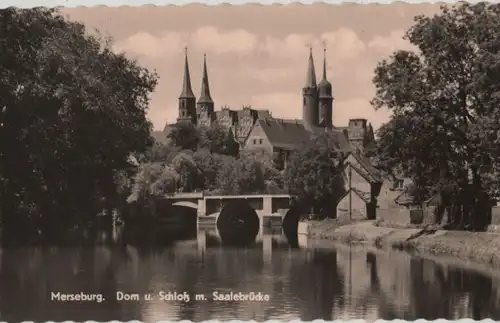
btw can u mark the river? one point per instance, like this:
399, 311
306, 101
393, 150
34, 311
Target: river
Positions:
300, 282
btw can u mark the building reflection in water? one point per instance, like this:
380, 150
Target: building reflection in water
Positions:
303, 283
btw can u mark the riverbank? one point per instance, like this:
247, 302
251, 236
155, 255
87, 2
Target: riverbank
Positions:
479, 247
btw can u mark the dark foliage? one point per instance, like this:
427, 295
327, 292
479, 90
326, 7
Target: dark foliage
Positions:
313, 175
73, 112
445, 104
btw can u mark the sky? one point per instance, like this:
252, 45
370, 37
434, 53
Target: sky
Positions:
257, 55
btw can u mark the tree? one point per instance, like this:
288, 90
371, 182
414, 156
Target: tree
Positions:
444, 132
273, 178
210, 165
160, 152
184, 135
313, 174
73, 111
191, 177
240, 176
153, 179
218, 140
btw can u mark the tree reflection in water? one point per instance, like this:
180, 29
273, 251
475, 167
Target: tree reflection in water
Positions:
318, 282
303, 283
435, 291
29, 275
438, 292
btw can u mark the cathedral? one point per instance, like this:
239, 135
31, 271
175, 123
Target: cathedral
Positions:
258, 129
201, 112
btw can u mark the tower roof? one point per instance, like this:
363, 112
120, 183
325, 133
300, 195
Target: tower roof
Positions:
311, 73
187, 91
325, 87
205, 89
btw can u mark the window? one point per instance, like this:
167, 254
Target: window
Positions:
399, 184
254, 141
260, 141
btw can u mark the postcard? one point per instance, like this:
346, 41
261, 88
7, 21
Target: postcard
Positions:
252, 162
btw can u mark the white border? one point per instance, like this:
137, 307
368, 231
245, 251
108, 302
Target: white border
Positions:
118, 3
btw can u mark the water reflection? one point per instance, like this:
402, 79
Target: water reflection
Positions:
303, 283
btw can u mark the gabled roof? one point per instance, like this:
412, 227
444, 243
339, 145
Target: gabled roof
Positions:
290, 134
368, 168
285, 134
340, 137
363, 195
363, 174
434, 200
366, 197
404, 199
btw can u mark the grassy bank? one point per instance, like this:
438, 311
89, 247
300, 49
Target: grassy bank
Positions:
480, 247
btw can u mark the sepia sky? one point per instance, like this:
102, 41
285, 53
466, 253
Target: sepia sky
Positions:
257, 55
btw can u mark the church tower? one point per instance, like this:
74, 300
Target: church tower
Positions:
187, 100
325, 99
205, 105
310, 96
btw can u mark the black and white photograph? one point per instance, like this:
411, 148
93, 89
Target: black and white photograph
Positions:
250, 162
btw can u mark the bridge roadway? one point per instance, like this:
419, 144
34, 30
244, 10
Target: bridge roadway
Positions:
269, 208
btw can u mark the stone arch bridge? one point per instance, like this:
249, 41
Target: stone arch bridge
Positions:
270, 208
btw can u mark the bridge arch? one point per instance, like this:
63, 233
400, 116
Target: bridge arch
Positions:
238, 223
188, 204
291, 218
180, 215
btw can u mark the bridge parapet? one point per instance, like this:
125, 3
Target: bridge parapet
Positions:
266, 206
187, 195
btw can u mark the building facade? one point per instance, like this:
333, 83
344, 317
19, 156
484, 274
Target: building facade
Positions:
280, 136
201, 112
258, 130
273, 134
362, 185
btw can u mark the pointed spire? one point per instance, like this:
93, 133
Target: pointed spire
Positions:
205, 89
187, 91
311, 73
324, 63
325, 87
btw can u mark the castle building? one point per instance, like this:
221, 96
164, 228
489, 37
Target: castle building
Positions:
258, 129
202, 113
280, 136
